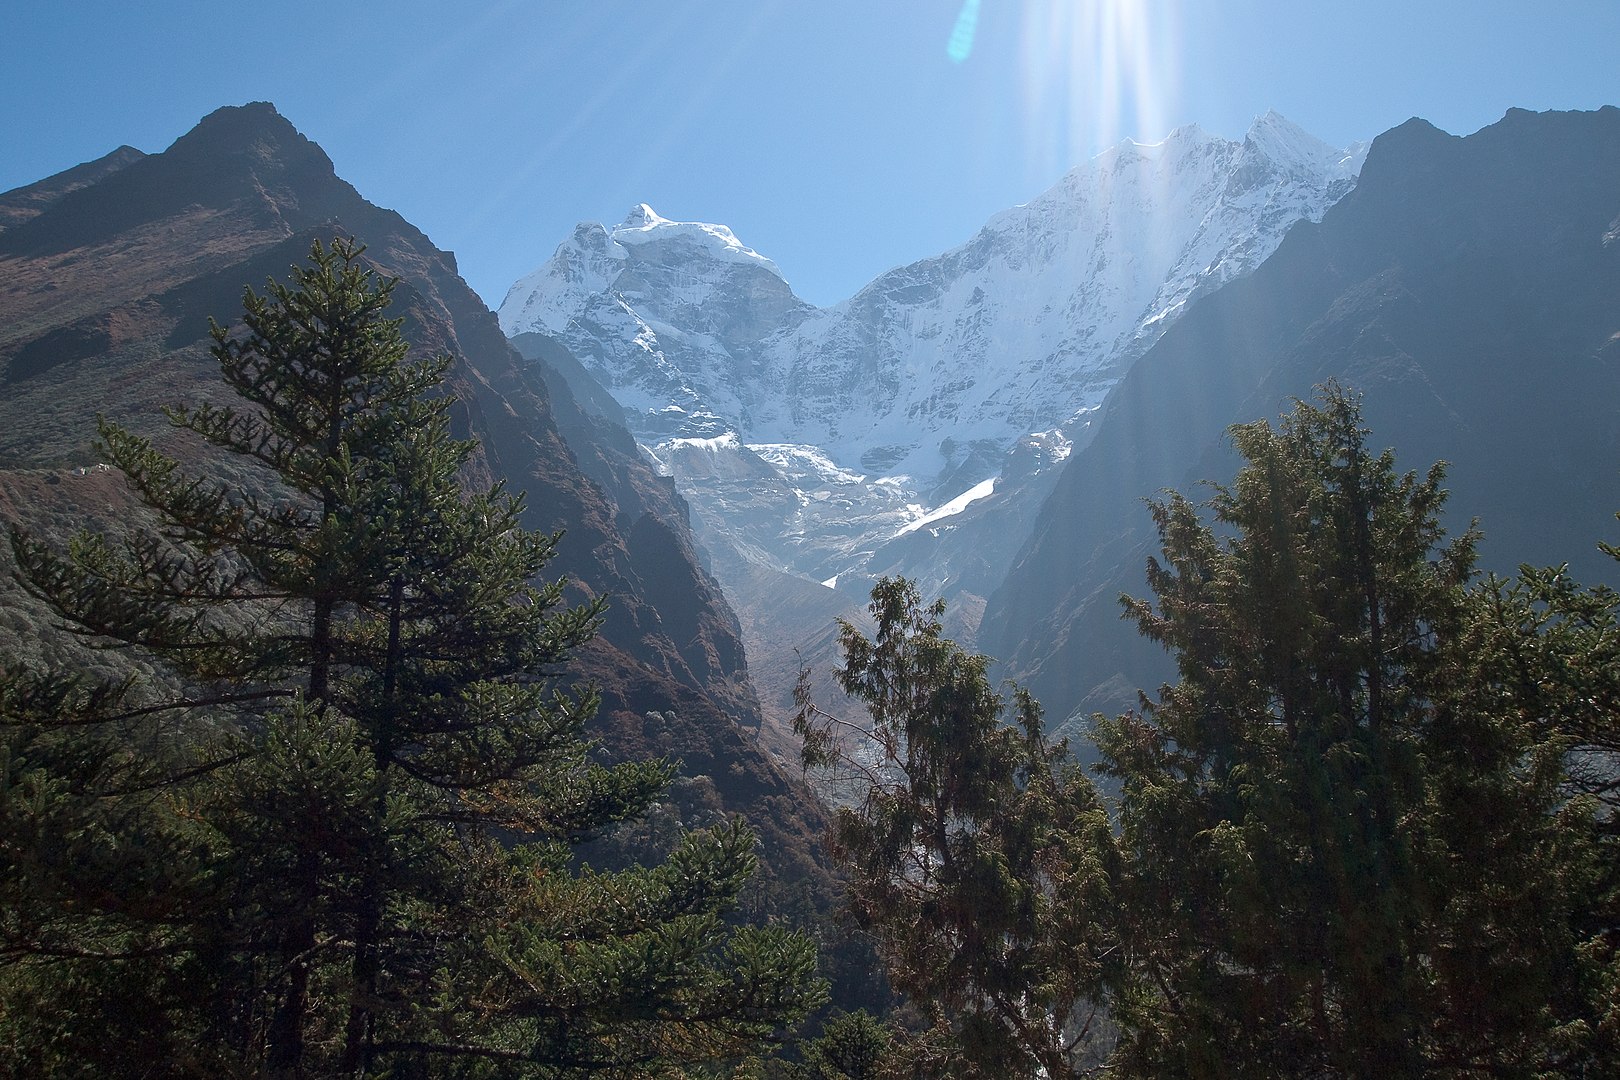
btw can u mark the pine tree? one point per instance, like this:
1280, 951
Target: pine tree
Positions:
1545, 651
979, 857
97, 880
851, 1046
1336, 863
381, 752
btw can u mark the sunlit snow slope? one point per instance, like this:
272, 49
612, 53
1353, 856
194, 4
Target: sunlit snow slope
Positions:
945, 362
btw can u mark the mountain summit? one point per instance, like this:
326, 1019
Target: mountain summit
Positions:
892, 433
111, 273
1018, 330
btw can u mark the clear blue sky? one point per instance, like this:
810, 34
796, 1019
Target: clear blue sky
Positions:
840, 138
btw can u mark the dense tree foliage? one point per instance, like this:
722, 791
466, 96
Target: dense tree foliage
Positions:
1340, 861
979, 857
346, 848
1369, 831
1545, 651
851, 1046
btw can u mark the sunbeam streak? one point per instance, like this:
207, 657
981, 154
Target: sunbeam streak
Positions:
1096, 71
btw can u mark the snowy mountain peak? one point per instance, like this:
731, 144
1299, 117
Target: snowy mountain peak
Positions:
1187, 134
933, 369
1187, 138
1285, 143
644, 225
1274, 119
642, 216
639, 254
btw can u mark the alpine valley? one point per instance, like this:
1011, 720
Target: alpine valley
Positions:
989, 421
915, 428
305, 773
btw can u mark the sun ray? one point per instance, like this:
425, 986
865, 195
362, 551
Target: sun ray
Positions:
1097, 71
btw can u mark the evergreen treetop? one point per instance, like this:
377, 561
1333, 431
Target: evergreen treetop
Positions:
1367, 831
1335, 863
980, 857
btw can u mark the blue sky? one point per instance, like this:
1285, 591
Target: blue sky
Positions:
838, 138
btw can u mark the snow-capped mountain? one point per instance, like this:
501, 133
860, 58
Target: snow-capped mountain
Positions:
947, 361
668, 315
917, 427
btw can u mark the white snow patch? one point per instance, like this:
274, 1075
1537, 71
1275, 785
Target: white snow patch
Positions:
727, 441
952, 508
796, 459
643, 225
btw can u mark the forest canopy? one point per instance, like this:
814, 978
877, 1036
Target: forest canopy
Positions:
1368, 831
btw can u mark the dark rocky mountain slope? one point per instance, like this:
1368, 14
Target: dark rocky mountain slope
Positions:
108, 274
1470, 287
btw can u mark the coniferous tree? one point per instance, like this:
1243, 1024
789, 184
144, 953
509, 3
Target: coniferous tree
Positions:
97, 882
387, 772
851, 1046
1369, 832
1545, 651
1336, 862
979, 856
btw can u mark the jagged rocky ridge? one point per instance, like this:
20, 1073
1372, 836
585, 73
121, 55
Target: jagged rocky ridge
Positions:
1467, 287
865, 418
108, 274
915, 427
1016, 331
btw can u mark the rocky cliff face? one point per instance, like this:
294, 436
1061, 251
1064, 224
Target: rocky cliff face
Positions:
1467, 287
108, 274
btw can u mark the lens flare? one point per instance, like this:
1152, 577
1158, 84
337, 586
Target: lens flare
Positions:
960, 46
